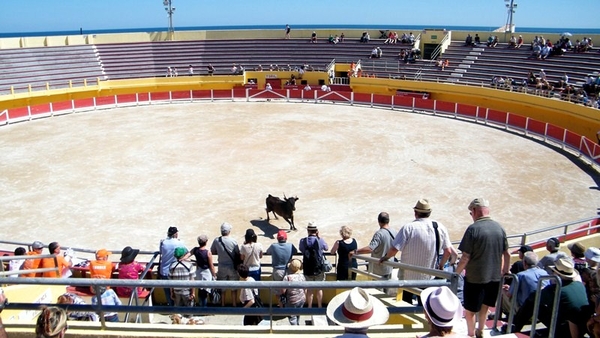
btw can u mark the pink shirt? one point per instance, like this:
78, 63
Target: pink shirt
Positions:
129, 271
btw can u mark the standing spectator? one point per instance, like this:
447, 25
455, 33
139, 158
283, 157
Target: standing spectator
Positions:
16, 264
442, 310
30, 264
356, 311
101, 267
294, 298
211, 69
528, 282
380, 244
592, 256
344, 248
226, 248
51, 323
572, 301
205, 269
552, 245
485, 259
313, 247
64, 262
281, 254
287, 31
182, 269
251, 253
342, 37
108, 297
191, 70
167, 257
129, 269
420, 243
518, 265
248, 296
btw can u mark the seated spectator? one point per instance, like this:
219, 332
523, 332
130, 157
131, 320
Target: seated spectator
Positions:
336, 40
365, 37
325, 88
234, 69
469, 40
442, 310
210, 69
108, 297
592, 256
518, 265
544, 52
477, 39
519, 42
330, 39
29, 264
307, 87
129, 269
490, 41
16, 264
411, 37
342, 37
373, 53
552, 245
69, 298
578, 255
268, 86
356, 311
64, 262
512, 43
563, 81
494, 42
528, 281
445, 63
259, 68
313, 37
101, 267
379, 53
536, 52
573, 302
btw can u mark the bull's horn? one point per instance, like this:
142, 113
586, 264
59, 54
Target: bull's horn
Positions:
284, 195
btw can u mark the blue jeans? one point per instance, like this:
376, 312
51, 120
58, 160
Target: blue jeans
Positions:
295, 320
255, 274
167, 291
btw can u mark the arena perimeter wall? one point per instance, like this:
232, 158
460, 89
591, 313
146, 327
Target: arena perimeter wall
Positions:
584, 121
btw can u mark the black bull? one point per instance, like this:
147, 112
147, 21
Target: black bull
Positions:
284, 208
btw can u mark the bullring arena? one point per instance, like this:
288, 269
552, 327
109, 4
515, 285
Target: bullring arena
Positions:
123, 176
118, 153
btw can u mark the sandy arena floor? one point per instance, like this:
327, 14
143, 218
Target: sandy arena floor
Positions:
122, 177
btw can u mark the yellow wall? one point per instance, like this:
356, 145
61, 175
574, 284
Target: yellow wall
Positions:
577, 118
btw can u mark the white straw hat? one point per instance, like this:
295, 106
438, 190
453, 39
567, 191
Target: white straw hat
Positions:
357, 309
442, 306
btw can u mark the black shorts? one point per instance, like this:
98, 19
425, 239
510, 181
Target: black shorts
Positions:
477, 294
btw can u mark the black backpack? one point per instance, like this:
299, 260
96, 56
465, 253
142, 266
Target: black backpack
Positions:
311, 260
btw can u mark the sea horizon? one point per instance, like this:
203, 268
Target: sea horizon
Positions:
84, 31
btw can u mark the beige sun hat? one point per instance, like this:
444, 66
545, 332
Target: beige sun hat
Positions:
357, 309
422, 206
564, 268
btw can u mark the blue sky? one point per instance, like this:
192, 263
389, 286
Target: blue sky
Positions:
55, 15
